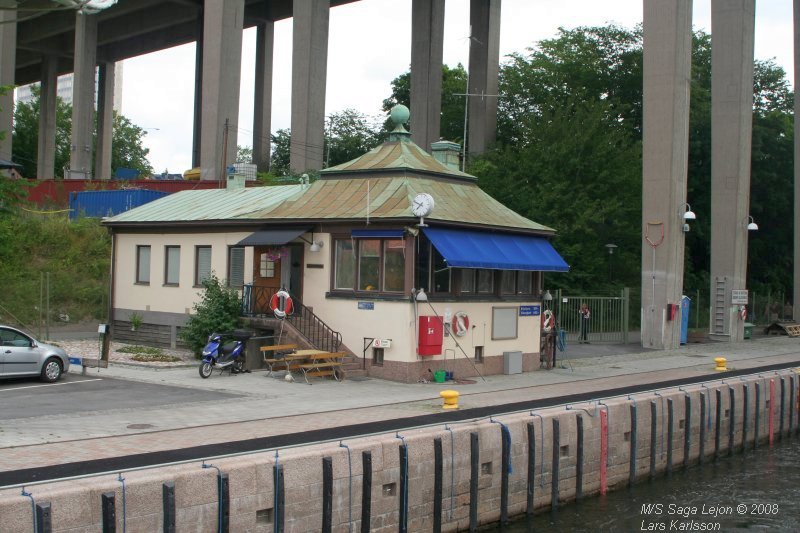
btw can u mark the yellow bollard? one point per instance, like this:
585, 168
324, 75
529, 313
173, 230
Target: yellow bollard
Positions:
720, 362
450, 399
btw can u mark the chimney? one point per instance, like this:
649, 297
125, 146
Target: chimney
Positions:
447, 153
236, 182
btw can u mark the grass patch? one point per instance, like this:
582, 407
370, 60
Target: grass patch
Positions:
141, 350
155, 358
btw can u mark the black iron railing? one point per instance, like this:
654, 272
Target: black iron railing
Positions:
256, 303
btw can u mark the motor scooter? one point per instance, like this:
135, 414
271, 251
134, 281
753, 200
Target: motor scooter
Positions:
224, 355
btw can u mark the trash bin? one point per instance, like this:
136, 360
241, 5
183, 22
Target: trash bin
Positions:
686, 303
439, 376
512, 363
748, 330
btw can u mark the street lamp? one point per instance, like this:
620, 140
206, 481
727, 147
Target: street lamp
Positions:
611, 248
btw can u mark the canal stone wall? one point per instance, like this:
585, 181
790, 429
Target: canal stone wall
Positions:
447, 477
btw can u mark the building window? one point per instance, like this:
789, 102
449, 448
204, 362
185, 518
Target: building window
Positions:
377, 356
479, 354
524, 282
369, 259
508, 280
468, 280
202, 264
440, 272
370, 265
143, 265
266, 266
345, 265
236, 267
485, 281
172, 265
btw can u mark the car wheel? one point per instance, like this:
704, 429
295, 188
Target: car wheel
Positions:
51, 371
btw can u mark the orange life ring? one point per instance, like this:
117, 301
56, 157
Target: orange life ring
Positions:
460, 324
281, 304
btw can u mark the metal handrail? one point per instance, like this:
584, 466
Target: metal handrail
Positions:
255, 302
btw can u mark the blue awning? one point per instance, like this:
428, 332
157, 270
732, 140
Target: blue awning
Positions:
377, 234
504, 251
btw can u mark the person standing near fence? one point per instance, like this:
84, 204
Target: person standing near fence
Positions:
585, 314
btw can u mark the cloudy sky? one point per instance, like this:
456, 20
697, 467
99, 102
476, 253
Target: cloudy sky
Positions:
369, 45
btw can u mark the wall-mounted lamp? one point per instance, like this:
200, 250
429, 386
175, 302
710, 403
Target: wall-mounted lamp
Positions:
412, 231
316, 246
419, 295
751, 226
686, 214
547, 297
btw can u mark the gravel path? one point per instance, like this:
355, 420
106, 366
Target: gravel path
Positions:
91, 349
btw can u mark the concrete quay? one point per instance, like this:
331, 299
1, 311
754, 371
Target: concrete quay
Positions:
269, 408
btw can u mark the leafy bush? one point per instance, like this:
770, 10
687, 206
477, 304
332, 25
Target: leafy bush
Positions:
163, 358
217, 311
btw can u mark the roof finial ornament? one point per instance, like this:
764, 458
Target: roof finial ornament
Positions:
399, 115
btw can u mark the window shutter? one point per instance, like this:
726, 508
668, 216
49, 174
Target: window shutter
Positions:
236, 267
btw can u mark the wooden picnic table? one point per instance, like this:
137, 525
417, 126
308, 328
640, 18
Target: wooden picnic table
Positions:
280, 355
319, 364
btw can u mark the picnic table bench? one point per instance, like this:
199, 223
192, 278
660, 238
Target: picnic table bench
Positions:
322, 364
280, 355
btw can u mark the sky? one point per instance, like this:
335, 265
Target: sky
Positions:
370, 45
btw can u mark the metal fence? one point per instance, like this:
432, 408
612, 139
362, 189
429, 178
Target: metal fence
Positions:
609, 319
763, 308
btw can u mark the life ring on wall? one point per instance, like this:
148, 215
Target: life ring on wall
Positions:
281, 304
547, 321
743, 313
460, 324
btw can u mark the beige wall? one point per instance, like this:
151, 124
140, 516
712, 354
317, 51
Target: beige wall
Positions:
155, 296
393, 320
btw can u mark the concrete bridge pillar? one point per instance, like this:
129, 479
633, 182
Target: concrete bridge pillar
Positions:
197, 127
309, 71
732, 31
796, 290
427, 42
46, 154
105, 120
8, 55
223, 21
83, 95
484, 66
667, 79
262, 106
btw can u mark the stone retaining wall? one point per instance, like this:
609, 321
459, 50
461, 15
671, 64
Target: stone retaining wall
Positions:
249, 480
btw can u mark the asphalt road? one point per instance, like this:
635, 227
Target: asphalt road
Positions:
29, 398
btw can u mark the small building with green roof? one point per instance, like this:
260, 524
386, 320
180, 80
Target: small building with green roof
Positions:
395, 257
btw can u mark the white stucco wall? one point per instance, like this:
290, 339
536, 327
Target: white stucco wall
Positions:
156, 296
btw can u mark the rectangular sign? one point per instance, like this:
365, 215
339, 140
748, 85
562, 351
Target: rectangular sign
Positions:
368, 306
382, 343
739, 297
530, 310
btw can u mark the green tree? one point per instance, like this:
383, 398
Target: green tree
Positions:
126, 138
349, 134
244, 154
217, 311
454, 82
126, 146
279, 156
569, 156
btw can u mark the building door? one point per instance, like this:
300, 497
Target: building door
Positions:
266, 276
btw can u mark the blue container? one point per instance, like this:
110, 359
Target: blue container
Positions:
686, 303
109, 203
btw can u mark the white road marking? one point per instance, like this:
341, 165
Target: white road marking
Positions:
51, 384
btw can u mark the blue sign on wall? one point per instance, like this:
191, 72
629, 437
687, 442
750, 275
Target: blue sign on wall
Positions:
530, 310
369, 306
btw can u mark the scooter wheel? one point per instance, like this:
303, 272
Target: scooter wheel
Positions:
205, 370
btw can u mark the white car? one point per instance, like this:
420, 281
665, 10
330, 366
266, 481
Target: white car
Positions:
22, 355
